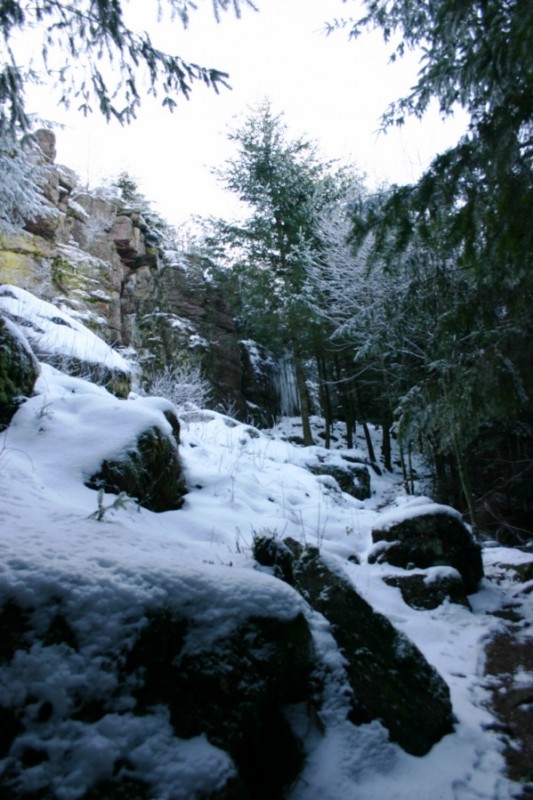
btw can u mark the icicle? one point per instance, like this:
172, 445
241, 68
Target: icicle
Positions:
285, 383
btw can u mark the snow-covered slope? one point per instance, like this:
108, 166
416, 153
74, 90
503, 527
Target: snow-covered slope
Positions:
241, 482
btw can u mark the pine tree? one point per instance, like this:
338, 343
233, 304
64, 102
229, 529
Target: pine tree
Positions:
22, 176
283, 182
465, 225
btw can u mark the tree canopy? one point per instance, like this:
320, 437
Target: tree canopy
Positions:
100, 63
461, 237
479, 194
88, 48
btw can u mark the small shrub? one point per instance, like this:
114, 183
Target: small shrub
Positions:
181, 385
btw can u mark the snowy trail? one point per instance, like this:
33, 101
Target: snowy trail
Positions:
240, 481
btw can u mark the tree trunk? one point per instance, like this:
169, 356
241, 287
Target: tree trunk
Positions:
369, 445
411, 474
345, 402
386, 446
404, 472
325, 400
304, 399
465, 483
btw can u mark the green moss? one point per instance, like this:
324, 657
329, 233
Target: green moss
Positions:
65, 276
18, 373
25, 243
151, 473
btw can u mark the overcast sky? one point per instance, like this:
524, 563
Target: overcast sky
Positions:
330, 89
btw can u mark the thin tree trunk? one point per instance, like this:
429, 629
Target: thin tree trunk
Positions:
369, 445
386, 446
404, 472
304, 400
411, 475
465, 483
345, 403
325, 400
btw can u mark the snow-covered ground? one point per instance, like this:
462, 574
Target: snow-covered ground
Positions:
241, 482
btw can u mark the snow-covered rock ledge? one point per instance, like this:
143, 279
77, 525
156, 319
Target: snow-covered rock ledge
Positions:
148, 656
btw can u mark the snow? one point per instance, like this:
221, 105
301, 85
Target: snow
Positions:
413, 507
241, 481
52, 331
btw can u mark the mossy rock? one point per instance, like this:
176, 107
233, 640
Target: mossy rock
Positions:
353, 479
390, 678
116, 381
150, 472
18, 370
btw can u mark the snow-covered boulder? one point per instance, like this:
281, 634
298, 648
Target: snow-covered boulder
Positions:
425, 534
58, 339
233, 691
390, 679
430, 588
127, 681
18, 370
148, 470
352, 477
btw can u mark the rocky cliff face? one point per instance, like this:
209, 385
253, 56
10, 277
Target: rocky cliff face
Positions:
103, 261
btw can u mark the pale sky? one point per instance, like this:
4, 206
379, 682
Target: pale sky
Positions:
331, 90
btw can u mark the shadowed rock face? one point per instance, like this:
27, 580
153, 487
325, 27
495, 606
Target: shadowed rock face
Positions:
232, 690
419, 592
431, 540
391, 680
18, 371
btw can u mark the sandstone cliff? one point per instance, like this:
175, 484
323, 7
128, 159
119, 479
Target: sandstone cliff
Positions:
108, 264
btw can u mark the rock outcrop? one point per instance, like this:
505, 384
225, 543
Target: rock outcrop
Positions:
352, 476
104, 261
58, 339
178, 315
391, 680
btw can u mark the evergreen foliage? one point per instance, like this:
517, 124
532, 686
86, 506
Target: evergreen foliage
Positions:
458, 244
94, 55
284, 183
23, 175
99, 62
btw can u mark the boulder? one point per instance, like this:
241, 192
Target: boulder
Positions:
430, 589
429, 536
352, 477
150, 471
58, 339
18, 370
234, 692
173, 675
390, 678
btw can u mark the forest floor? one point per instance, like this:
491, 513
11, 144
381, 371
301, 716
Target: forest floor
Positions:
509, 674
